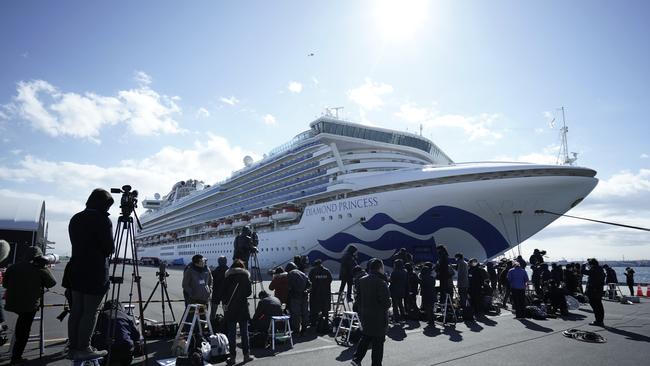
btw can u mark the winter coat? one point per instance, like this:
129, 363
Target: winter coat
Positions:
374, 301
557, 274
427, 286
320, 298
477, 277
243, 247
197, 284
595, 282
91, 237
126, 334
280, 285
414, 282
461, 273
266, 308
611, 276
535, 259
298, 284
236, 290
443, 270
348, 262
218, 275
398, 281
629, 277
24, 282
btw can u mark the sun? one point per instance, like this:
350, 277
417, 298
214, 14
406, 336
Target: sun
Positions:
400, 20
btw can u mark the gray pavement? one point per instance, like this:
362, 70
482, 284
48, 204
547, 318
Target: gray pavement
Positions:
490, 341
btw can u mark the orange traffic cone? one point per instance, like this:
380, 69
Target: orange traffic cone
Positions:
639, 291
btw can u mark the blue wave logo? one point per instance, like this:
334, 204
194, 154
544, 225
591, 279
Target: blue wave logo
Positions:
429, 222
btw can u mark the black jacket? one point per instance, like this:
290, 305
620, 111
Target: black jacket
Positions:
413, 281
477, 277
243, 247
91, 236
611, 276
443, 270
399, 281
298, 284
348, 262
24, 282
266, 308
374, 301
427, 286
218, 275
320, 298
236, 290
595, 282
125, 333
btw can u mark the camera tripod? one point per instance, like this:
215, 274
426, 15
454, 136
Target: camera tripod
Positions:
164, 295
124, 241
256, 277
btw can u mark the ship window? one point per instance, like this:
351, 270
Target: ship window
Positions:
331, 218
340, 216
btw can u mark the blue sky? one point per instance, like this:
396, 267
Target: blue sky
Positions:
152, 92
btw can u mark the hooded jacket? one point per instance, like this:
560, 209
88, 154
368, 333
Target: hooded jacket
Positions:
280, 286
91, 236
373, 302
197, 284
23, 282
298, 282
348, 262
236, 290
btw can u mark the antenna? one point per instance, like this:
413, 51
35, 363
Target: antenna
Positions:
328, 111
563, 155
420, 129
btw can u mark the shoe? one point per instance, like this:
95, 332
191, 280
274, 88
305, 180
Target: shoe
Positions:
355, 363
18, 361
231, 360
248, 358
88, 354
597, 324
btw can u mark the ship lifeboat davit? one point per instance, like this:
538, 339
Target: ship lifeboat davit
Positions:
241, 222
289, 213
261, 218
224, 225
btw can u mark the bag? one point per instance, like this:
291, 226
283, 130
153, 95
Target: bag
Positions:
323, 326
205, 350
225, 306
219, 350
536, 313
259, 339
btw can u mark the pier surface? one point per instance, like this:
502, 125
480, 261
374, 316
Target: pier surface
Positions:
494, 340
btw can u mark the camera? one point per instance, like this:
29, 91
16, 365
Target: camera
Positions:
129, 200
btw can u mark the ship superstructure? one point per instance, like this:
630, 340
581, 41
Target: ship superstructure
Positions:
339, 184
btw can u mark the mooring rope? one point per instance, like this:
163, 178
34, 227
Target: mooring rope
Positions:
593, 220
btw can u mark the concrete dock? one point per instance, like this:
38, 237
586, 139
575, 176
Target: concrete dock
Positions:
494, 340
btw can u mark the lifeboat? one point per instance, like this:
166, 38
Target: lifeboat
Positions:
224, 225
261, 218
241, 221
288, 213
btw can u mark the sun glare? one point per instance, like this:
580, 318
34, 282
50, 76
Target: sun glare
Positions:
399, 20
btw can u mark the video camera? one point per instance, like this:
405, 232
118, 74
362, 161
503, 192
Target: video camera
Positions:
129, 200
47, 260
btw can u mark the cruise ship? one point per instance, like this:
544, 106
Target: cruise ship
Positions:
340, 184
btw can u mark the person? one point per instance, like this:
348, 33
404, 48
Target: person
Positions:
629, 279
236, 290
594, 290
517, 278
557, 274
280, 285
521, 261
115, 323
557, 297
348, 262
24, 283
245, 245
320, 298
505, 284
571, 279
492, 274
357, 274
462, 280
218, 275
428, 290
374, 302
268, 307
86, 274
404, 255
299, 285
413, 287
545, 276
398, 290
443, 270
610, 274
197, 281
536, 258
476, 278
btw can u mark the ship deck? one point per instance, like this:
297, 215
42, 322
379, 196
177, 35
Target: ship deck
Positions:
490, 341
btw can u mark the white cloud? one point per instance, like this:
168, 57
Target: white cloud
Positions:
142, 78
475, 127
229, 100
625, 184
644, 156
202, 113
369, 95
269, 119
294, 87
58, 113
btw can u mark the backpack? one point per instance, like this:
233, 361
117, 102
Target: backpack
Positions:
219, 350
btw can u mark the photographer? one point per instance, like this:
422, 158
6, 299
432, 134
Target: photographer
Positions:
320, 298
218, 275
594, 291
348, 262
197, 281
86, 275
245, 245
443, 271
126, 341
236, 290
24, 282
629, 279
299, 285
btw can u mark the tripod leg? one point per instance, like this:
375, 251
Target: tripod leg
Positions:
169, 303
150, 296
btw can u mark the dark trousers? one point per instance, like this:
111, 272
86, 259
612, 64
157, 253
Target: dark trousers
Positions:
506, 295
232, 337
398, 308
82, 319
346, 282
597, 306
631, 287
23, 326
411, 301
519, 302
377, 349
476, 301
299, 313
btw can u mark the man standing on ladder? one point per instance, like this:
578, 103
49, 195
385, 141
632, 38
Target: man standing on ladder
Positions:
245, 245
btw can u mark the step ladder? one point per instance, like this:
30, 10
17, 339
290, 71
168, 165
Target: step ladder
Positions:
447, 311
613, 291
280, 333
349, 323
341, 304
194, 320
